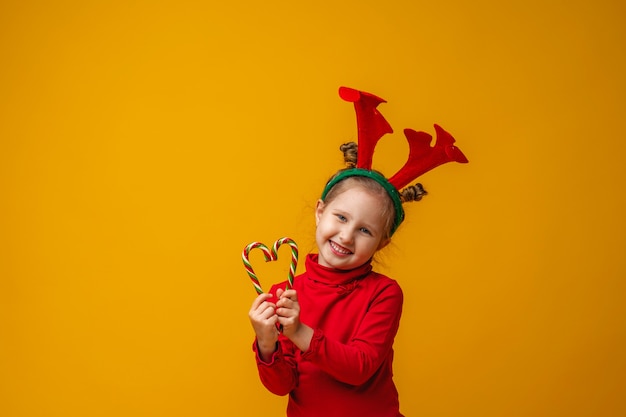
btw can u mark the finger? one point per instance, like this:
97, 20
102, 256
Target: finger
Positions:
263, 312
290, 294
286, 311
259, 300
265, 305
285, 321
269, 321
284, 302
267, 311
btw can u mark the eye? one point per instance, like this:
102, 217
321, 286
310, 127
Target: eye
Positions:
341, 217
366, 231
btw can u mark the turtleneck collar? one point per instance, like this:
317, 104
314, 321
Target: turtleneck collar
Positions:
333, 276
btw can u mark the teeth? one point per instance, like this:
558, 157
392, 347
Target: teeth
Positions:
339, 249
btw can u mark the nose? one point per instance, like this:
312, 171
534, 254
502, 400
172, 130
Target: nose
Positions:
346, 234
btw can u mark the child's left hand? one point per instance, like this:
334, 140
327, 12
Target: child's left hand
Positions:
288, 311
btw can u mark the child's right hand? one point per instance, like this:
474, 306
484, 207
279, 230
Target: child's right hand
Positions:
263, 318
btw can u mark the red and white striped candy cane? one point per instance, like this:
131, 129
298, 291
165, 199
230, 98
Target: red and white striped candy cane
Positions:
270, 255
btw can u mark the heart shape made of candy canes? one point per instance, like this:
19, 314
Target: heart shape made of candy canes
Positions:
270, 255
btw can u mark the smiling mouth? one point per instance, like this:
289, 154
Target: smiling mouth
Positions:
339, 250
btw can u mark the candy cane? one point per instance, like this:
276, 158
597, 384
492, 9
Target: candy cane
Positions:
245, 255
294, 257
270, 256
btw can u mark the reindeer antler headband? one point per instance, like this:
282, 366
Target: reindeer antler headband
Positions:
422, 157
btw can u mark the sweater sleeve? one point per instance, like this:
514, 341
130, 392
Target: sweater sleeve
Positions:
280, 374
357, 360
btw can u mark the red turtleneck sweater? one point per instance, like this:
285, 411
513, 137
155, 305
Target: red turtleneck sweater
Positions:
347, 370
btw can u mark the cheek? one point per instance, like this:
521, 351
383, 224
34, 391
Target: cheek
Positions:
369, 246
320, 230
372, 249
323, 230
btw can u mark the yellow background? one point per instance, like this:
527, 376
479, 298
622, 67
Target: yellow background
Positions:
143, 144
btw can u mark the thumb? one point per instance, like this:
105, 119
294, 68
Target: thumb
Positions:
279, 292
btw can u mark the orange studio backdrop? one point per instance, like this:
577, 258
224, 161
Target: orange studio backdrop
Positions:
144, 144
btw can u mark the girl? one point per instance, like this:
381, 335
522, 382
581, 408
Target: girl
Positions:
334, 356
335, 351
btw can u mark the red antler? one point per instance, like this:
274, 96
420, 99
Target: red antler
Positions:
372, 126
370, 123
423, 157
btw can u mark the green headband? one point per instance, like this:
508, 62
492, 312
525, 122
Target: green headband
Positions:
391, 190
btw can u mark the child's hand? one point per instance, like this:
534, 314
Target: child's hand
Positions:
288, 311
263, 318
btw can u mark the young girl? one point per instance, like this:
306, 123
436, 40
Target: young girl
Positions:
335, 351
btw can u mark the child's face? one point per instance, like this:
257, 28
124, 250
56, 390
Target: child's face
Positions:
349, 229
